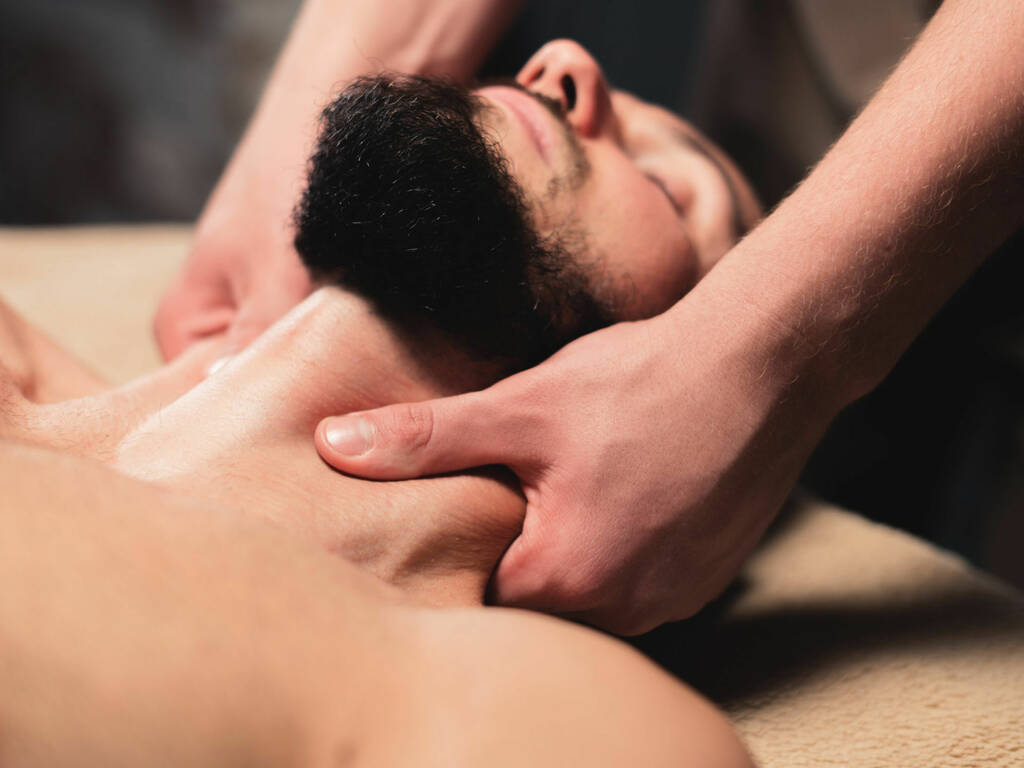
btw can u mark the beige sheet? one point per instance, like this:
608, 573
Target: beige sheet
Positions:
845, 643
93, 288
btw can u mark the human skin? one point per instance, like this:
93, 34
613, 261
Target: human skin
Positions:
242, 272
215, 614
669, 464
142, 627
654, 198
438, 539
333, 354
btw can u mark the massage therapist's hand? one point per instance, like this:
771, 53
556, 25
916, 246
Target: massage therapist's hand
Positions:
652, 456
242, 272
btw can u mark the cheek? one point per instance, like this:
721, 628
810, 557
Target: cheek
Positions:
646, 260
655, 272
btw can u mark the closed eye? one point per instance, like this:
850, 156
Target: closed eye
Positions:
668, 195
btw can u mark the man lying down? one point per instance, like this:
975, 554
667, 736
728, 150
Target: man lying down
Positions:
462, 236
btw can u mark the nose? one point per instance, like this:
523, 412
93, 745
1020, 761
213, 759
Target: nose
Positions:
565, 71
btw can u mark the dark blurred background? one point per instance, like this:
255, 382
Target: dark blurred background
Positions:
126, 110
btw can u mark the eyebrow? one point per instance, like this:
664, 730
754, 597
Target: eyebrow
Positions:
734, 197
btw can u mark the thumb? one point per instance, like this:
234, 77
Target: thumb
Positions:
414, 439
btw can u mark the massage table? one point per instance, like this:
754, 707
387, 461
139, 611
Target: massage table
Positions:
843, 642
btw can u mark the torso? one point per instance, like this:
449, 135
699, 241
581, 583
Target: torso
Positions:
469, 686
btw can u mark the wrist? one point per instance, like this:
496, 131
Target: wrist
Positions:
779, 351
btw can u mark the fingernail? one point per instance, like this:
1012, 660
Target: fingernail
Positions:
217, 364
349, 436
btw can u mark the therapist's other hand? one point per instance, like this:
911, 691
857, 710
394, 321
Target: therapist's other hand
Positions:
241, 274
652, 456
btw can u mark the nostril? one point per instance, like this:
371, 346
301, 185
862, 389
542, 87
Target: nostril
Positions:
569, 89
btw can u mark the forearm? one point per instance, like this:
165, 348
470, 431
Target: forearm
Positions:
337, 39
920, 189
333, 41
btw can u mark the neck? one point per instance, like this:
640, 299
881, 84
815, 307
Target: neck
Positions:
244, 438
330, 355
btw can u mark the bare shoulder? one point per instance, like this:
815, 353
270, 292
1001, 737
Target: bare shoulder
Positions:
518, 688
209, 639
217, 641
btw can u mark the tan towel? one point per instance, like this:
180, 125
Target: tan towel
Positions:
849, 643
93, 288
844, 643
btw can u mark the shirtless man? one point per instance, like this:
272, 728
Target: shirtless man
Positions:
372, 675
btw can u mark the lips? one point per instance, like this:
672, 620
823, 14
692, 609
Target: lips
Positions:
530, 115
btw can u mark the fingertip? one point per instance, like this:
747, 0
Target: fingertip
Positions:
331, 438
167, 331
323, 448
170, 344
177, 325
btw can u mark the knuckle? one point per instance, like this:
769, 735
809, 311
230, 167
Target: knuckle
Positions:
638, 621
634, 608
627, 619
411, 425
167, 328
583, 588
526, 587
579, 588
538, 579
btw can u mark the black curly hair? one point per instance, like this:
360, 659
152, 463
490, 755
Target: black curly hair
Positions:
410, 205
